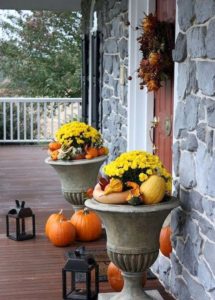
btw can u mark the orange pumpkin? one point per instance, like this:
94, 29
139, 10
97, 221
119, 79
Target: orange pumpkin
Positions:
61, 233
115, 277
102, 151
165, 241
54, 146
87, 224
91, 153
54, 155
54, 218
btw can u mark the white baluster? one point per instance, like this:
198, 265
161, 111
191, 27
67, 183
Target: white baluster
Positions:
52, 119
45, 121
18, 121
11, 120
24, 121
4, 121
32, 121
58, 115
38, 121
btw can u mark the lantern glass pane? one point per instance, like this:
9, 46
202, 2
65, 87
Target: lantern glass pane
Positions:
80, 283
26, 226
12, 226
93, 282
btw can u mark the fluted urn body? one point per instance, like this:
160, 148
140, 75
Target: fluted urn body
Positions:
132, 240
76, 177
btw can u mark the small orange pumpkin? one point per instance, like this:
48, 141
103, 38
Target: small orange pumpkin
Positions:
54, 146
91, 153
102, 151
87, 224
54, 155
165, 241
115, 277
61, 233
54, 218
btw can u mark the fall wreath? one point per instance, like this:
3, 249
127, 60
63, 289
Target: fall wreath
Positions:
156, 44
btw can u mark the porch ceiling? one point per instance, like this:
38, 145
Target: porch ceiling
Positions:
41, 4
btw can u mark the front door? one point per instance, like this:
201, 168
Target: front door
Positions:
163, 101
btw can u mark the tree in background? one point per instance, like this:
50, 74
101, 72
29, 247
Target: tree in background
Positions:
40, 54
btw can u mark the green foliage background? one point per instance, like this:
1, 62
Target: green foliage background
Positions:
41, 55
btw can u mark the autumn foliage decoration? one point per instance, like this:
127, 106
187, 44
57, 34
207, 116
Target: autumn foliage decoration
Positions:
156, 44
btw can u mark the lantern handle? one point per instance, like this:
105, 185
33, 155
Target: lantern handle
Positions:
17, 203
22, 204
80, 251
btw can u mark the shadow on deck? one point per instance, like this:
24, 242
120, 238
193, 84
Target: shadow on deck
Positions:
31, 270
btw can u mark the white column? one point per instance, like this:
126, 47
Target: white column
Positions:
140, 103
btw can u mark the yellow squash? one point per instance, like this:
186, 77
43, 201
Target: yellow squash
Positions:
153, 189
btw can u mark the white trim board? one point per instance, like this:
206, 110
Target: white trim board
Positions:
140, 103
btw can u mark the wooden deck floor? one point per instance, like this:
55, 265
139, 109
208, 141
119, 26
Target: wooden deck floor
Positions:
31, 270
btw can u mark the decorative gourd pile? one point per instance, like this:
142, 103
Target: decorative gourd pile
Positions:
135, 177
84, 225
76, 140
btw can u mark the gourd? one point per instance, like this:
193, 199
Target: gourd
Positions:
112, 198
57, 217
134, 196
165, 241
115, 185
153, 189
61, 233
87, 224
115, 277
54, 146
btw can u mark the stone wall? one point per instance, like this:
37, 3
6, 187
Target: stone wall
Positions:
190, 273
112, 23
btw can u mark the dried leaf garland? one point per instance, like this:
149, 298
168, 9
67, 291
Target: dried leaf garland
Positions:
156, 44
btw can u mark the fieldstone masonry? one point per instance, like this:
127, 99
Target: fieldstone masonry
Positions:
190, 271
112, 23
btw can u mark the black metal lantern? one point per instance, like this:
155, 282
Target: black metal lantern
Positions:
85, 265
21, 221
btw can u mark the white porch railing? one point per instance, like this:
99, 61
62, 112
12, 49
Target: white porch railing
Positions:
26, 120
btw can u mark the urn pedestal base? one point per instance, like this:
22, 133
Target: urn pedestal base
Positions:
132, 241
153, 294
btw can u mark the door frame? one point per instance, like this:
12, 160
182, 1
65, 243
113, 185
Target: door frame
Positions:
140, 102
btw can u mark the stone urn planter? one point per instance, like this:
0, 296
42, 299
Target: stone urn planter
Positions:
76, 177
132, 241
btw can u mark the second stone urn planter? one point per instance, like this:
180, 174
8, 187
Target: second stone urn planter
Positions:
76, 177
132, 241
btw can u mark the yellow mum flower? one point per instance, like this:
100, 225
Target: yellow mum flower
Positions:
143, 177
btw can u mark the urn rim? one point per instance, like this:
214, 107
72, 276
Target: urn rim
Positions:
49, 161
126, 208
